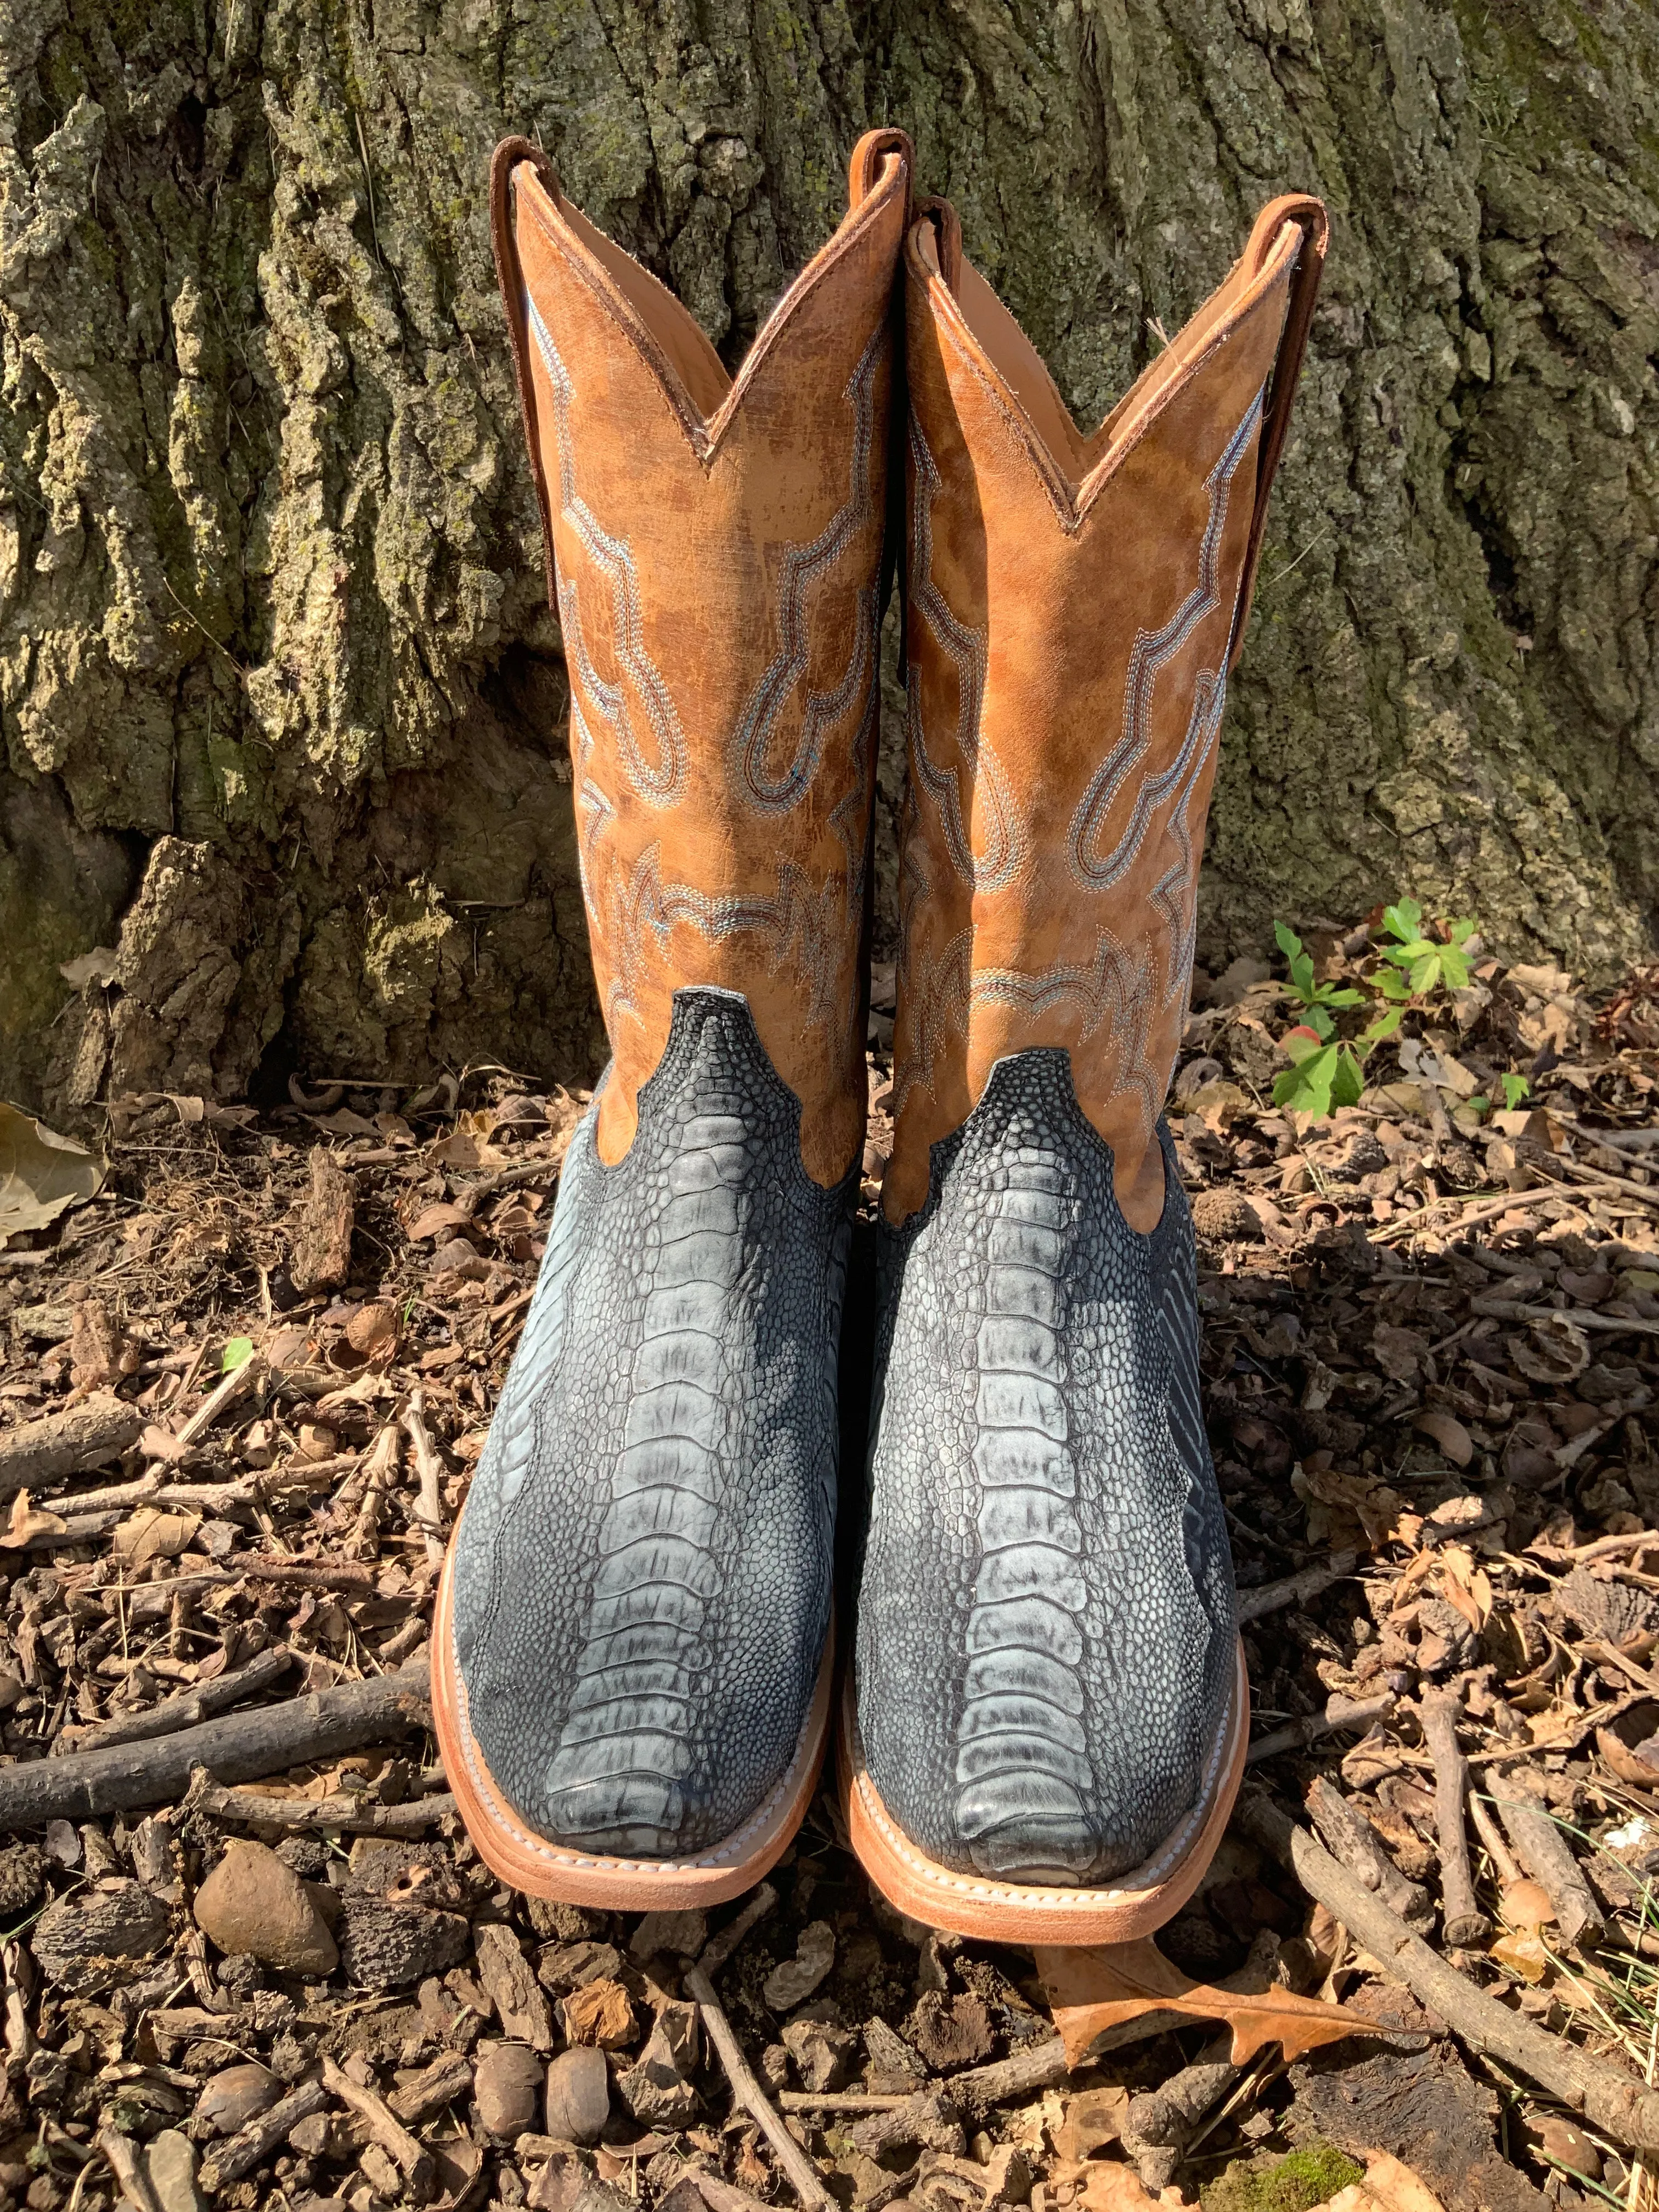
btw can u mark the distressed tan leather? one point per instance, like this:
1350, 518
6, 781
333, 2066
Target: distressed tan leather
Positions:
715, 548
1074, 603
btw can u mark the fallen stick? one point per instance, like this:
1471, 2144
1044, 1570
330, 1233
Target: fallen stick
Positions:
1354, 1841
718, 1947
801, 2173
837, 2100
448, 2076
1038, 2067
126, 2161
1547, 1857
429, 1468
1462, 1920
86, 1436
1586, 1317
1294, 1589
252, 2145
1357, 1714
237, 1748
1617, 2102
224, 1393
1160, 2122
251, 1808
407, 2152
188, 1708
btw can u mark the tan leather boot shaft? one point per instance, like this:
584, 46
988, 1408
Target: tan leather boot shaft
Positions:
1074, 605
717, 549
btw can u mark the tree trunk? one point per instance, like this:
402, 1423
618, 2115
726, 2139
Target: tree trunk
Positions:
283, 704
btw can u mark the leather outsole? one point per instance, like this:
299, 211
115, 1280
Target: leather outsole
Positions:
540, 1867
992, 1911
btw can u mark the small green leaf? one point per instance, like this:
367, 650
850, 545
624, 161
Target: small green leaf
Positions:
1385, 1026
237, 1353
1516, 1088
1454, 967
1320, 1022
1391, 984
1286, 939
1346, 1080
1404, 920
1461, 930
1426, 974
1330, 997
1307, 1086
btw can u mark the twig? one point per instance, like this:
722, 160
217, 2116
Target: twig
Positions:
1502, 1858
1039, 2066
237, 1748
225, 1393
801, 2172
1547, 1857
1160, 2123
85, 1436
126, 2161
1608, 2099
837, 2100
412, 2158
1585, 1318
1294, 1589
1352, 1837
1462, 1921
189, 1706
448, 2076
252, 2145
718, 1947
429, 1509
1357, 1714
351, 1814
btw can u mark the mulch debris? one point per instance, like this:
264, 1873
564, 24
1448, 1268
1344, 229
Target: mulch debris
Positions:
245, 1387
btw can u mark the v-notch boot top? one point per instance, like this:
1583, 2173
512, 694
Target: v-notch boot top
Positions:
631, 1652
1046, 1751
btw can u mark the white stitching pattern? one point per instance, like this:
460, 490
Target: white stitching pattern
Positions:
802, 566
663, 784
1153, 652
1008, 842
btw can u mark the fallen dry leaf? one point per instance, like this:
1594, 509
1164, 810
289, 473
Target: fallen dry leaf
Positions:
28, 1520
1389, 2186
1093, 2117
1112, 2186
42, 1175
1526, 1905
1522, 1953
1092, 1989
150, 1534
1453, 1438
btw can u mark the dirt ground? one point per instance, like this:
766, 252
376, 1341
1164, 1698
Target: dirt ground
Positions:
1430, 1358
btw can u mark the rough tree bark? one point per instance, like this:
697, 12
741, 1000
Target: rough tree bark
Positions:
282, 704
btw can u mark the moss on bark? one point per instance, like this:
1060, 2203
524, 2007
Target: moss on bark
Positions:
283, 705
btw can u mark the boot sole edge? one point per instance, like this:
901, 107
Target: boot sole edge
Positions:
539, 1867
991, 1912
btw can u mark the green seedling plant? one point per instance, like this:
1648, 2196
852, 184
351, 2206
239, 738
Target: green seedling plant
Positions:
1417, 965
1326, 1072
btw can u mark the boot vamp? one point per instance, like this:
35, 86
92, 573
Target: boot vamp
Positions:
642, 1575
1047, 1616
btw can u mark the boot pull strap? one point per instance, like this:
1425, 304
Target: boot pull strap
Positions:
864, 168
1310, 215
510, 277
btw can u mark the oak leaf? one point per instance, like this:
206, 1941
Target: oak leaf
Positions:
1093, 1989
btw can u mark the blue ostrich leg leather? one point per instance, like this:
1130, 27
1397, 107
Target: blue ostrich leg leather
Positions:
1047, 1618
642, 1571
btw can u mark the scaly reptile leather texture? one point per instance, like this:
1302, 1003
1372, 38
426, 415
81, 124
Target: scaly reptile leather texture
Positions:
1047, 1621
642, 1571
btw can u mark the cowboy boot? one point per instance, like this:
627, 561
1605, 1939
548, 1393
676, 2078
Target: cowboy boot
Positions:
631, 1647
1047, 1751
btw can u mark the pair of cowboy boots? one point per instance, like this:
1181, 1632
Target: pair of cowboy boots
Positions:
1043, 1725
